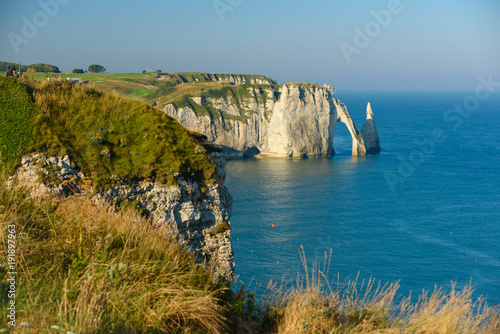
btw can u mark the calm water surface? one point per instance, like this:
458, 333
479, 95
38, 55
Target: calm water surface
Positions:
432, 224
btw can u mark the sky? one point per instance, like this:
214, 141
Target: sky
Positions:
390, 44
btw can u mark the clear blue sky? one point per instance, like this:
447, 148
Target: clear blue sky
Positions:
443, 44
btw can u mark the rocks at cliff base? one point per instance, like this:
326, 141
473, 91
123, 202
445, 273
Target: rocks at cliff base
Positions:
191, 214
369, 132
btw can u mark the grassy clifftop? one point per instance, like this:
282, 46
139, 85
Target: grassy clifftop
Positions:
102, 133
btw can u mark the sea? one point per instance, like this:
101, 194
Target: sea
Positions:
424, 212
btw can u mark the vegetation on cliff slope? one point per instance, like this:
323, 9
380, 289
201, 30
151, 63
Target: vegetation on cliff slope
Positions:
156, 87
103, 134
91, 270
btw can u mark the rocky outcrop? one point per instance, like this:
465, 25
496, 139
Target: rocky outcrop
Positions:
238, 79
291, 120
197, 217
369, 132
235, 79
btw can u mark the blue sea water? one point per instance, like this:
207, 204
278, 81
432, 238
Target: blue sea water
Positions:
425, 211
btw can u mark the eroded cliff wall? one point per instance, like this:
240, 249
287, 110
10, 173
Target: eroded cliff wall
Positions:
195, 216
290, 120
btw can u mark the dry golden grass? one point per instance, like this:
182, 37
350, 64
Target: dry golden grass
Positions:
90, 270
313, 305
453, 312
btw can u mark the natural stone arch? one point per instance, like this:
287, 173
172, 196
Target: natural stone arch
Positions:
341, 139
358, 144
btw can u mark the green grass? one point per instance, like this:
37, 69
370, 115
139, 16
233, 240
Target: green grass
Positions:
144, 143
221, 228
187, 77
142, 92
17, 109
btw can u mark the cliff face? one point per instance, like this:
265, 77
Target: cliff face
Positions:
235, 79
239, 79
196, 217
291, 120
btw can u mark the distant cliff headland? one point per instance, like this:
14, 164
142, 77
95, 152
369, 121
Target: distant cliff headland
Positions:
248, 118
250, 115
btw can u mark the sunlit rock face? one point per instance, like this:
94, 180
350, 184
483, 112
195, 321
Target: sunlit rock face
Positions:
294, 120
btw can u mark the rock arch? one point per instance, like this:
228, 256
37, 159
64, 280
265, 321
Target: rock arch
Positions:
358, 144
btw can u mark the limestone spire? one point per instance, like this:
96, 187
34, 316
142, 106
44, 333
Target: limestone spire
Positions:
369, 112
369, 132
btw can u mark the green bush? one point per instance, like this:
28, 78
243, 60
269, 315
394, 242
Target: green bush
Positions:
94, 68
45, 68
221, 228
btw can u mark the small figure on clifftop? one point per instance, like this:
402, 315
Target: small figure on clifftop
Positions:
9, 72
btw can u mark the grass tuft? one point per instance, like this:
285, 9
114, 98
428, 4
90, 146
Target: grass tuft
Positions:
314, 305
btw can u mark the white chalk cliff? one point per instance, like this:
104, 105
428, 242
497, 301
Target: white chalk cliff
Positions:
290, 120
